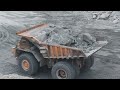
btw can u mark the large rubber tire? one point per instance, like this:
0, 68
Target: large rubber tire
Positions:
88, 64
77, 70
63, 66
33, 63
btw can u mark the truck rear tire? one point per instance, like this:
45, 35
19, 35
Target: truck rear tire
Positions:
88, 64
63, 70
28, 64
77, 70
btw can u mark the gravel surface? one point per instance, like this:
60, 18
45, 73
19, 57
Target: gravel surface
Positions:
107, 60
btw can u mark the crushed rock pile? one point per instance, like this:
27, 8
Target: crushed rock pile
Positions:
67, 37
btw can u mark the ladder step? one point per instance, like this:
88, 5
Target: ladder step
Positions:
43, 51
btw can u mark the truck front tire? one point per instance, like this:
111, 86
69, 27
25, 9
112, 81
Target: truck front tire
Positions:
63, 70
28, 64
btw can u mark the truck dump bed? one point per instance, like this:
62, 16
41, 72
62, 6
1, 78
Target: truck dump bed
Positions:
56, 50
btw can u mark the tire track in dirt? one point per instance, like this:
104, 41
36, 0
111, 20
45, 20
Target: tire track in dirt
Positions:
4, 35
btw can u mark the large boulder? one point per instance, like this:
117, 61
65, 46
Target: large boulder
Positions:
105, 15
60, 36
88, 38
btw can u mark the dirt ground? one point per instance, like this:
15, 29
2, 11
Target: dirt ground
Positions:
107, 60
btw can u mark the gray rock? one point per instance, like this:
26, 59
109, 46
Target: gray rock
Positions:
88, 38
105, 15
94, 16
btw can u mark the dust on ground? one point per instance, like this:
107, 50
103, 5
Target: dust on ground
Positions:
100, 23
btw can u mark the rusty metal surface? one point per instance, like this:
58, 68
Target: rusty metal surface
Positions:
24, 44
61, 52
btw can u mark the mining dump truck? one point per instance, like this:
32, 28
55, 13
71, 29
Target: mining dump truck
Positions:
65, 62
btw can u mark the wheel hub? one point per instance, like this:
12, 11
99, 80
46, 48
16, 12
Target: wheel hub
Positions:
61, 74
25, 65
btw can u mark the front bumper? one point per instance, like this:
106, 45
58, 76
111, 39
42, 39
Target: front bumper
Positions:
13, 50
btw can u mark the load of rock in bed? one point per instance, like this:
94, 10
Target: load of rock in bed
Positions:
67, 37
